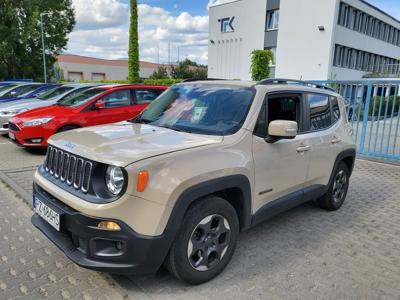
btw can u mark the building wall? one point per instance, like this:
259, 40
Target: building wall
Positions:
229, 53
303, 51
88, 71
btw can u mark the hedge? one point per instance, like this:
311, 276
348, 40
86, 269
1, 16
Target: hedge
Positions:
383, 107
167, 82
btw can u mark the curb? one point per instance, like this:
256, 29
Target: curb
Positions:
17, 189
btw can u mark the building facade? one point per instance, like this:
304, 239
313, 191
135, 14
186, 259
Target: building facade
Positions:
311, 39
76, 68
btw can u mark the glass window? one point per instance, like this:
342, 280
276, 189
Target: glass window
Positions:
21, 90
81, 98
145, 96
117, 99
261, 125
272, 19
200, 108
54, 92
335, 109
320, 111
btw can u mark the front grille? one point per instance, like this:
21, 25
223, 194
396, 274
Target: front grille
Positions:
69, 168
5, 126
13, 127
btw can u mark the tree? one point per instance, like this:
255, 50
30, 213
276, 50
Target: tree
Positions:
20, 44
160, 73
260, 64
188, 69
133, 54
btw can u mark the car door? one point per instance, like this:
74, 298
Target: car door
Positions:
117, 108
281, 166
142, 98
324, 136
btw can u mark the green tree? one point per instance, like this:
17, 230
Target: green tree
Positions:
260, 64
160, 73
188, 69
133, 54
20, 44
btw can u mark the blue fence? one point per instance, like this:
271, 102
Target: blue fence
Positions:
374, 112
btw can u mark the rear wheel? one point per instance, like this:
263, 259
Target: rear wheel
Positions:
337, 191
67, 128
206, 241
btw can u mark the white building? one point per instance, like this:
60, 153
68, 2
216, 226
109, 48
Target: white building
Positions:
76, 67
312, 39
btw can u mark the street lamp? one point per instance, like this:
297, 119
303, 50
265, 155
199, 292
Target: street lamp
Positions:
44, 55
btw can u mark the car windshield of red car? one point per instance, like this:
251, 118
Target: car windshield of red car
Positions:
81, 98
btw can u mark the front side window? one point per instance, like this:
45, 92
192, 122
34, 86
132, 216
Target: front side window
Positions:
118, 98
145, 96
277, 107
200, 108
272, 19
320, 111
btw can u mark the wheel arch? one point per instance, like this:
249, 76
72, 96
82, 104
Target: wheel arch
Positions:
68, 125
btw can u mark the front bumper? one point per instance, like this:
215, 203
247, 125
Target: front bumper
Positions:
4, 124
26, 136
119, 252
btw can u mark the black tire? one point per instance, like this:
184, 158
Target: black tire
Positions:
67, 128
337, 191
217, 244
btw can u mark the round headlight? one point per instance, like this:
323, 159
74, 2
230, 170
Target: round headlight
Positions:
114, 179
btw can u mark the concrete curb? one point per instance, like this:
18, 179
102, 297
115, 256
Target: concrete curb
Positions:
17, 189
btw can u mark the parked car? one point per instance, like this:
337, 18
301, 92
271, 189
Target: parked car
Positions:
25, 91
10, 109
204, 161
4, 87
95, 106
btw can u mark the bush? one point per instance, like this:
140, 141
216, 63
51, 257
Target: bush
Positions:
167, 82
260, 64
383, 107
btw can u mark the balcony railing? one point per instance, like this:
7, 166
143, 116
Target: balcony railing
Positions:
383, 71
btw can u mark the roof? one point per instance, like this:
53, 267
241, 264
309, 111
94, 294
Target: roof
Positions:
78, 59
240, 83
380, 10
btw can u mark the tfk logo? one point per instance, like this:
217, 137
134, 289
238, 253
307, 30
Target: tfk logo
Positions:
226, 24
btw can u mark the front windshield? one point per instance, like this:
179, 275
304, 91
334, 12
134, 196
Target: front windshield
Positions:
200, 108
21, 90
81, 98
54, 92
7, 87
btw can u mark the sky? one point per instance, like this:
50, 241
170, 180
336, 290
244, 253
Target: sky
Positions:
102, 28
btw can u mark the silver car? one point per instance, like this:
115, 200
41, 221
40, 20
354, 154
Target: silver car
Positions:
10, 109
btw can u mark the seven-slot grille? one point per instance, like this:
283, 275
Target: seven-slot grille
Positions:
68, 168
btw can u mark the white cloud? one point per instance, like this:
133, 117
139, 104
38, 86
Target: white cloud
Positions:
103, 27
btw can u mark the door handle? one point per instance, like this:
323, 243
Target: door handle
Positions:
336, 140
303, 149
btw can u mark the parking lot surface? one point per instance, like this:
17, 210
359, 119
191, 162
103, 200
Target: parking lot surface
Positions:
306, 253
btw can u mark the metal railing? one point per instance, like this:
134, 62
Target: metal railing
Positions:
383, 70
373, 109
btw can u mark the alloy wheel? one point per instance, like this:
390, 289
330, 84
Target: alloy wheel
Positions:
339, 186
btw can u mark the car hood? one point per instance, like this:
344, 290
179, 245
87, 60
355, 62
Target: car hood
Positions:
42, 112
27, 103
124, 143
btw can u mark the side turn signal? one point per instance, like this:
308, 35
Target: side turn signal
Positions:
142, 179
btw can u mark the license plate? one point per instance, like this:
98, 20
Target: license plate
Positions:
11, 135
47, 214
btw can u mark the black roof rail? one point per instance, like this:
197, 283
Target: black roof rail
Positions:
294, 81
198, 79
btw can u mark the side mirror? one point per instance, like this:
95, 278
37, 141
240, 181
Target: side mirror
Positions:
100, 105
282, 129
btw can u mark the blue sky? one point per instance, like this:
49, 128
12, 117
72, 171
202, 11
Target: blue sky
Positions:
179, 25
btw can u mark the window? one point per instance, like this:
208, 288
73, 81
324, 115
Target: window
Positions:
280, 107
117, 99
335, 110
272, 19
320, 111
145, 96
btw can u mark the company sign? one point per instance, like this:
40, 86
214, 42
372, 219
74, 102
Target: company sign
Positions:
227, 24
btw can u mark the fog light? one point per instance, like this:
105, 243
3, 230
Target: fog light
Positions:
109, 225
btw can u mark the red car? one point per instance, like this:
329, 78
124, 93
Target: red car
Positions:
95, 106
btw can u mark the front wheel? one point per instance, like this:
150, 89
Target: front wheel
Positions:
337, 191
206, 241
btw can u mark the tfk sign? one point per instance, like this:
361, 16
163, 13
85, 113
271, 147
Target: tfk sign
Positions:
226, 24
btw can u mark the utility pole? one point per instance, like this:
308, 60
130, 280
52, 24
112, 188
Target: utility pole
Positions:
43, 50
179, 48
158, 54
169, 53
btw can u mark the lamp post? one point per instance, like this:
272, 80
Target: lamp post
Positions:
43, 51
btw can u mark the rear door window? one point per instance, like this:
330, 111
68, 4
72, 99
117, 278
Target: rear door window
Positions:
320, 111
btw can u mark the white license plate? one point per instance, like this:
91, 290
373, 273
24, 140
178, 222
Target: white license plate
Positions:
47, 214
11, 135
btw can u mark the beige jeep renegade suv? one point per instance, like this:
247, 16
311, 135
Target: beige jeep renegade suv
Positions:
203, 162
